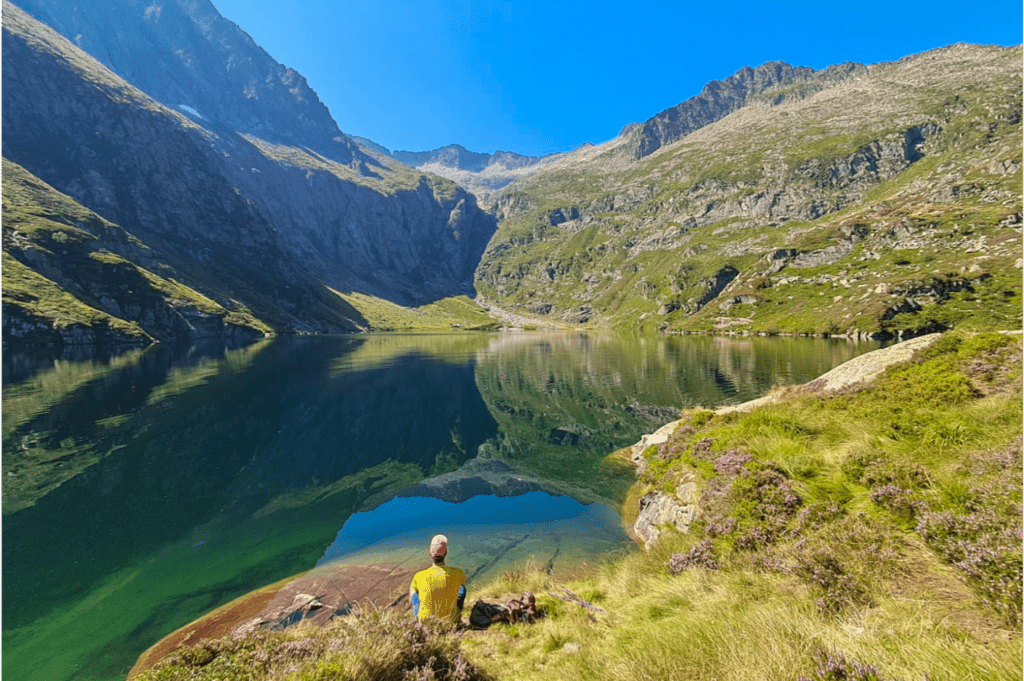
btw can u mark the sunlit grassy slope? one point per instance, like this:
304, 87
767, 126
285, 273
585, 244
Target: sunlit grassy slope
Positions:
887, 203
64, 265
458, 312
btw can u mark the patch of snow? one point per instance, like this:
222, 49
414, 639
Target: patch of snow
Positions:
191, 112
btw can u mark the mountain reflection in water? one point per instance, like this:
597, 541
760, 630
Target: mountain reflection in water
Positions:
144, 489
488, 533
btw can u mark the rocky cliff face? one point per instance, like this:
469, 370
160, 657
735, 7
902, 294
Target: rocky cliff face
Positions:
73, 278
881, 200
245, 220
774, 82
185, 55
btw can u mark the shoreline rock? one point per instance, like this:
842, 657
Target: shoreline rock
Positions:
311, 598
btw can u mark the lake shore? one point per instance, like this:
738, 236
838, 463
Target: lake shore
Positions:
315, 597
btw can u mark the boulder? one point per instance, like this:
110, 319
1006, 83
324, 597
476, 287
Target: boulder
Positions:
660, 509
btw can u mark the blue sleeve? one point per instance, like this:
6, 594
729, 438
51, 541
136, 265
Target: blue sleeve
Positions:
415, 604
461, 601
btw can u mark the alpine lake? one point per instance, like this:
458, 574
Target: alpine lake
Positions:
146, 488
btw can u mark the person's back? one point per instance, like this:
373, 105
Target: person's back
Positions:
440, 590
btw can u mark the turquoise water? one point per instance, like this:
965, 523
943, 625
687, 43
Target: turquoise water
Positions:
489, 534
144, 489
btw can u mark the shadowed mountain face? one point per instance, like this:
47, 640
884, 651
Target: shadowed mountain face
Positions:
190, 58
248, 210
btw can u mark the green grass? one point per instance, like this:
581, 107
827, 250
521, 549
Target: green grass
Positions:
378, 645
46, 231
457, 312
44, 300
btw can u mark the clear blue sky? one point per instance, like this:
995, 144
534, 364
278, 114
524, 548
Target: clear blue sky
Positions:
540, 76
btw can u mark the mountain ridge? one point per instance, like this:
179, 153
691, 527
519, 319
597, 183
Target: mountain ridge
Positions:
280, 228
692, 236
477, 172
216, 65
683, 222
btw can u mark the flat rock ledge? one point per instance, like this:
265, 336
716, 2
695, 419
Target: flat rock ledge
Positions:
658, 510
862, 369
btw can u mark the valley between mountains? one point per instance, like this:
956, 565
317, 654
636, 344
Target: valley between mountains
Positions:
209, 194
166, 181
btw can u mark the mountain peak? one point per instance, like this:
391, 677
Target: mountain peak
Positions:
719, 98
220, 73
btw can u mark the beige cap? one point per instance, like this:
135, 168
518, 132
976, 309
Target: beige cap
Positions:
438, 545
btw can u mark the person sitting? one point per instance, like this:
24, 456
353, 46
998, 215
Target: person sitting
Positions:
440, 590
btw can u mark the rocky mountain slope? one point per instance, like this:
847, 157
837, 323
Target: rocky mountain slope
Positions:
71, 277
482, 174
879, 200
773, 83
190, 58
251, 222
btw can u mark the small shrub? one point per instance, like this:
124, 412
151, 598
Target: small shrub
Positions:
702, 451
835, 587
701, 418
815, 517
896, 499
732, 462
855, 465
833, 666
880, 469
986, 548
197, 656
701, 555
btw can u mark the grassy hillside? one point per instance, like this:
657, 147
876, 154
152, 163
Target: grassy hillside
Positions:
873, 533
457, 312
66, 269
887, 203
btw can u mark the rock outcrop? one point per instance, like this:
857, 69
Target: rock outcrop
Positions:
658, 509
773, 82
314, 598
73, 278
